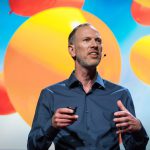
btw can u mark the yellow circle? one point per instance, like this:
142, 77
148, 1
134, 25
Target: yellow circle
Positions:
140, 59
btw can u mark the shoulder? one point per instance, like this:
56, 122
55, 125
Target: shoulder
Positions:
110, 86
56, 87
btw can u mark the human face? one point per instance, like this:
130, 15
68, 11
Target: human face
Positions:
86, 47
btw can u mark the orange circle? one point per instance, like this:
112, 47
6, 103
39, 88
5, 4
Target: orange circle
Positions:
140, 13
37, 55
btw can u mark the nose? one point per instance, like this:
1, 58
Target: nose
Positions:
94, 43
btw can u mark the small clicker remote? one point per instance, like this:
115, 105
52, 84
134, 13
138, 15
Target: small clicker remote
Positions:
73, 108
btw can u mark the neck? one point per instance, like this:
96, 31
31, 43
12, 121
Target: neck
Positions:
86, 77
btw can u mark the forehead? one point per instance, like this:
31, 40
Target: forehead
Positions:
87, 31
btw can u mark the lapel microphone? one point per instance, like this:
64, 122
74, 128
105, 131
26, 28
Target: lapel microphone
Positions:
104, 55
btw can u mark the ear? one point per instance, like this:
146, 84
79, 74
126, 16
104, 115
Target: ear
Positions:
71, 49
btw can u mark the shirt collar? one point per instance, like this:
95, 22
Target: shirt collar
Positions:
99, 81
73, 81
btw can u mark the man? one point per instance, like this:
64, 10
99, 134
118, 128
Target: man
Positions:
103, 109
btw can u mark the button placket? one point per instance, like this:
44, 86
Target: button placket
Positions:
87, 114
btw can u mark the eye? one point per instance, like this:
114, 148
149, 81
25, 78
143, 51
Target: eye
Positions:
86, 39
98, 40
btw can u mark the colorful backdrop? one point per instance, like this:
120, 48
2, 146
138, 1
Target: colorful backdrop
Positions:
33, 54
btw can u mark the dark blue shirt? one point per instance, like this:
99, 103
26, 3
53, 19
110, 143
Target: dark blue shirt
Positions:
94, 129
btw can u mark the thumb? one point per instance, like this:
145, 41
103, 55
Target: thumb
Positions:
121, 106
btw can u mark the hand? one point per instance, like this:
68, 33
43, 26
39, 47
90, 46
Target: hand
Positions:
63, 117
125, 121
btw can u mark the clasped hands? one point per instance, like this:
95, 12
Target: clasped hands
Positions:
124, 120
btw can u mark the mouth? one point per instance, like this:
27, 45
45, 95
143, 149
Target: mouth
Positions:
94, 54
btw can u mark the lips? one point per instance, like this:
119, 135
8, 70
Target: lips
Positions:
94, 53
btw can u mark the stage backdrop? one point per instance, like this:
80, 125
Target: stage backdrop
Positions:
33, 54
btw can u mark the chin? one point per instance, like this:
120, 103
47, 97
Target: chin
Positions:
88, 63
92, 65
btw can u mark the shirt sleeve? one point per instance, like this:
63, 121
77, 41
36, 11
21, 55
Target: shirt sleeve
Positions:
136, 140
42, 133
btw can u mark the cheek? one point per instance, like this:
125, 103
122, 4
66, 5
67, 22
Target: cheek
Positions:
81, 50
101, 52
81, 53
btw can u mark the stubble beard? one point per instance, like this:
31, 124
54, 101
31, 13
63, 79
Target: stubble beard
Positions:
88, 64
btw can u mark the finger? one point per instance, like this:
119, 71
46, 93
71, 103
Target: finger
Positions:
65, 116
121, 114
65, 111
59, 121
122, 119
122, 130
129, 129
121, 106
123, 125
63, 125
